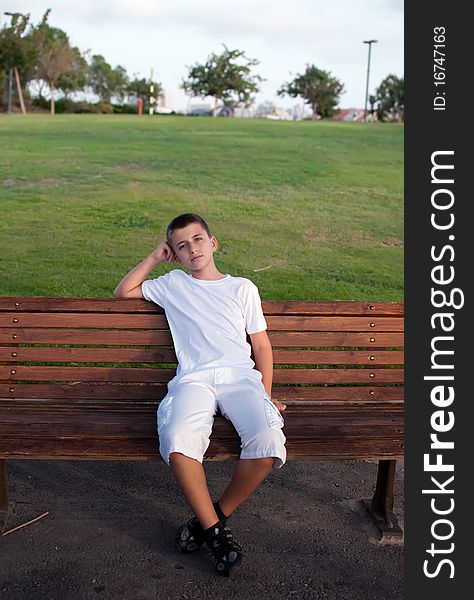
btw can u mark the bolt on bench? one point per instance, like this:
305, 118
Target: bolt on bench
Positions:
81, 378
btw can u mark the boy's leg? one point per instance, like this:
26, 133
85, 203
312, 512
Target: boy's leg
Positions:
185, 419
247, 476
245, 402
191, 478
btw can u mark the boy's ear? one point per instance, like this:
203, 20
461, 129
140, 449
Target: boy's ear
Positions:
215, 244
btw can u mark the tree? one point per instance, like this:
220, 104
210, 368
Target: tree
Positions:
56, 58
318, 88
227, 77
120, 82
389, 100
105, 81
19, 48
76, 79
100, 77
140, 88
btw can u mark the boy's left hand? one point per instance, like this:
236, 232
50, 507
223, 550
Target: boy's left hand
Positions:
281, 407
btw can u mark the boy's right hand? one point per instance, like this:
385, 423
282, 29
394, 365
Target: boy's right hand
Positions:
164, 253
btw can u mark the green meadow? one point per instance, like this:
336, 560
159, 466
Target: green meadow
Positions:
307, 210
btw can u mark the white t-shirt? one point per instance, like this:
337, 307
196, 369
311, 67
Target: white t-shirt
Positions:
208, 319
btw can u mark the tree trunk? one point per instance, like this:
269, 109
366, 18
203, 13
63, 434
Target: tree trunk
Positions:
20, 93
40, 89
52, 98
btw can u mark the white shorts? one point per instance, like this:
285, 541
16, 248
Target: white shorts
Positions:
186, 414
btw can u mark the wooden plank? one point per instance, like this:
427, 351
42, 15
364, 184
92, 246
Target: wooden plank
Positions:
352, 449
318, 323
158, 321
97, 337
147, 449
46, 304
325, 393
338, 357
89, 320
167, 355
82, 391
88, 355
135, 375
156, 391
343, 432
101, 420
136, 429
104, 337
337, 376
338, 307
147, 375
44, 405
335, 339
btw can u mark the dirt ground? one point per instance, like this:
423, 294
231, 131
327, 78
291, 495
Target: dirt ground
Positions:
110, 526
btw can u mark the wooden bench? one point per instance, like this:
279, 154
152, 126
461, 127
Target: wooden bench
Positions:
81, 378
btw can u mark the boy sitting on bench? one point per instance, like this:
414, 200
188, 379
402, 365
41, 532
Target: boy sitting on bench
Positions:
209, 315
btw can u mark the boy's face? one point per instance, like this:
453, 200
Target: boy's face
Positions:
194, 249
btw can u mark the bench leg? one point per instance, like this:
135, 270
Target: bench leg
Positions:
4, 507
381, 506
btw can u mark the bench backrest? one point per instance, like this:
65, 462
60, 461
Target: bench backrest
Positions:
82, 377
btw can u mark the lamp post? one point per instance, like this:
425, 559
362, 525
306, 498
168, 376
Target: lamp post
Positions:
370, 42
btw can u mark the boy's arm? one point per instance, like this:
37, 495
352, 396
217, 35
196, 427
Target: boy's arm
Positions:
263, 355
130, 286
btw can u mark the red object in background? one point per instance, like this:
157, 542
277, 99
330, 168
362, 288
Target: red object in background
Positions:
140, 106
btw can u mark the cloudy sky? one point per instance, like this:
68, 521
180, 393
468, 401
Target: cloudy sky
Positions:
284, 35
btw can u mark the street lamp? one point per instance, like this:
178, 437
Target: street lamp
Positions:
370, 42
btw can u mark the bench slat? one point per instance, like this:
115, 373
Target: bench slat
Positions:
97, 337
88, 355
147, 449
45, 304
73, 392
119, 393
163, 338
368, 421
143, 375
336, 339
158, 321
165, 355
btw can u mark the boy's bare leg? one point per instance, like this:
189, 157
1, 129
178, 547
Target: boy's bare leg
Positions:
190, 476
248, 475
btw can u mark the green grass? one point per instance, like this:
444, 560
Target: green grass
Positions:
308, 210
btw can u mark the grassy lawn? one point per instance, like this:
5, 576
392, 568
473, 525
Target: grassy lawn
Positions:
306, 210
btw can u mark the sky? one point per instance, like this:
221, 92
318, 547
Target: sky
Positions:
167, 36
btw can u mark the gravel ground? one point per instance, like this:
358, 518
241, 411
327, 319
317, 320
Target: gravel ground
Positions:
110, 527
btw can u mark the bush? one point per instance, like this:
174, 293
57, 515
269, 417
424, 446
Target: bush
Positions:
103, 108
83, 107
41, 103
125, 109
66, 105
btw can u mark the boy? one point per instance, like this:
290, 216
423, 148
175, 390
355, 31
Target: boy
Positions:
209, 315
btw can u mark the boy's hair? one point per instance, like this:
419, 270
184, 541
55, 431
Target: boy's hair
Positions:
182, 221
